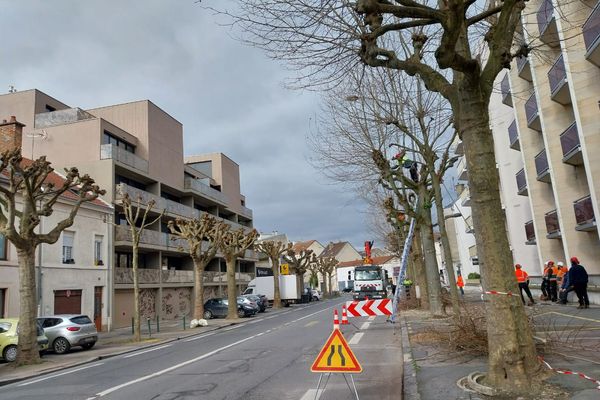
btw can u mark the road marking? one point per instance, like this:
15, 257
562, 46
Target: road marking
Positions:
365, 325
356, 338
232, 327
371, 318
147, 351
311, 394
568, 315
311, 323
200, 336
61, 374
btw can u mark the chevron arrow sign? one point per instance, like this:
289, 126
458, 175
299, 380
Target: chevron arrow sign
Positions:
369, 308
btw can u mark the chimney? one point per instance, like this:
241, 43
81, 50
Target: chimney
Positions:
11, 134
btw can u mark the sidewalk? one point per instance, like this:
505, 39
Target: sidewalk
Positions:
116, 342
569, 338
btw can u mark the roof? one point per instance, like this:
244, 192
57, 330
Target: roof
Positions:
301, 246
357, 263
332, 249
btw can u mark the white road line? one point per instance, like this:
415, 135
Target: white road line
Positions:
200, 337
356, 338
365, 325
147, 351
61, 374
371, 318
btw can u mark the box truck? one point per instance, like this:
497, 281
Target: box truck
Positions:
264, 285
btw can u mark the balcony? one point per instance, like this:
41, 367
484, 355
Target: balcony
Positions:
530, 233
571, 148
513, 136
559, 87
541, 167
145, 276
61, 117
151, 238
531, 111
547, 24
177, 276
220, 278
505, 90
112, 152
469, 225
521, 183
591, 36
137, 196
462, 169
459, 148
246, 212
584, 214
466, 198
205, 190
524, 68
552, 226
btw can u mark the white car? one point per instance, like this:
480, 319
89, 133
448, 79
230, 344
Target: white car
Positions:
316, 295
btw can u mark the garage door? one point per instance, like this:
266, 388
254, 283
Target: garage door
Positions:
67, 301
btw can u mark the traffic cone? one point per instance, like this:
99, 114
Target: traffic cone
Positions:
336, 321
344, 315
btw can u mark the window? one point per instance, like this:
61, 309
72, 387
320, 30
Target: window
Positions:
2, 301
125, 260
129, 182
3, 248
67, 250
98, 250
49, 108
109, 138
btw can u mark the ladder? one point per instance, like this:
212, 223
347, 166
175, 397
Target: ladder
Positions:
402, 272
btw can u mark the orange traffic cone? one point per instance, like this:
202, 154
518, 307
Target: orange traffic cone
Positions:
336, 321
344, 315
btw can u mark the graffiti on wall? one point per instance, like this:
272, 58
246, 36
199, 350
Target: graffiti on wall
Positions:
148, 303
176, 302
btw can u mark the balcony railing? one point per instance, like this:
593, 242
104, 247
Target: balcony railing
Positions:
205, 190
216, 277
61, 117
547, 24
541, 167
552, 225
529, 232
557, 77
125, 275
151, 238
521, 183
571, 148
466, 198
459, 149
505, 89
513, 136
584, 214
177, 276
531, 111
469, 225
524, 68
462, 169
591, 36
246, 212
110, 151
138, 196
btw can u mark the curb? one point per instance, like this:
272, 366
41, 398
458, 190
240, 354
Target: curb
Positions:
116, 353
410, 388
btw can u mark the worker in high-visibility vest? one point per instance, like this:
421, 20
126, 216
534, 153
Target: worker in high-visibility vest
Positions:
523, 281
461, 284
552, 281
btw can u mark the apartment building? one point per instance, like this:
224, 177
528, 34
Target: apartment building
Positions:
136, 149
552, 121
73, 273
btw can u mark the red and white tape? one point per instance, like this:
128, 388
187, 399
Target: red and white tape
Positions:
567, 372
497, 292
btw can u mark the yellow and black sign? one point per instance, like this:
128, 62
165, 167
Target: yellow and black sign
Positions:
336, 356
284, 269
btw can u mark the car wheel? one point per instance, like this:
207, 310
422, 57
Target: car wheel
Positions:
61, 345
207, 314
315, 298
10, 353
241, 313
88, 346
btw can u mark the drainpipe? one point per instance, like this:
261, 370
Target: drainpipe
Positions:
109, 273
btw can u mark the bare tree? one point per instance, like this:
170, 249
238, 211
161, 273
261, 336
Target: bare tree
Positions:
274, 250
299, 262
203, 237
326, 267
26, 196
136, 215
439, 42
233, 246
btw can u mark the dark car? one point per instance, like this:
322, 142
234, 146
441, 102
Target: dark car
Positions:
217, 307
260, 300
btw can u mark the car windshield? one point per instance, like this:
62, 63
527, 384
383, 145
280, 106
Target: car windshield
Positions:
369, 275
5, 326
81, 320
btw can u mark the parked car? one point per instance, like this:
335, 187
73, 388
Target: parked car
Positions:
69, 330
260, 300
218, 307
243, 300
316, 295
9, 338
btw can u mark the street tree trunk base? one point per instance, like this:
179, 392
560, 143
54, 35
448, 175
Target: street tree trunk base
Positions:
538, 388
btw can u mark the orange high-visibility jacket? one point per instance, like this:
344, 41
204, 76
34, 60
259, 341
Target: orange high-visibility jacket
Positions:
521, 275
460, 282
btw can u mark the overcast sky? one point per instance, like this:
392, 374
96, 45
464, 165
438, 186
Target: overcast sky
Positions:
229, 98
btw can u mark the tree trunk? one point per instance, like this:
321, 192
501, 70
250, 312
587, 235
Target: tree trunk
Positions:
300, 283
276, 291
329, 291
437, 192
325, 287
512, 362
28, 348
198, 289
420, 275
137, 328
231, 288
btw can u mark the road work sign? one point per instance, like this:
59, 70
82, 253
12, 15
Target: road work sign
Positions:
336, 356
369, 308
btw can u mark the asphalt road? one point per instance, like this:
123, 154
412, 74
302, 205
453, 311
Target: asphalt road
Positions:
268, 357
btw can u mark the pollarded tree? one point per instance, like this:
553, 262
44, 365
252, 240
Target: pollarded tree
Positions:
233, 246
458, 48
203, 236
299, 261
26, 196
274, 250
136, 215
326, 266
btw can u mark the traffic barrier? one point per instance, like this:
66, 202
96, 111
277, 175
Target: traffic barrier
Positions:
567, 372
336, 321
344, 315
369, 308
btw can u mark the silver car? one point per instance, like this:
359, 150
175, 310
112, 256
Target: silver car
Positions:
68, 330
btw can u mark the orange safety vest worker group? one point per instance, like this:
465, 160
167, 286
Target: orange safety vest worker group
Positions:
523, 280
460, 283
552, 281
